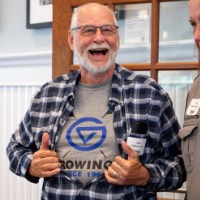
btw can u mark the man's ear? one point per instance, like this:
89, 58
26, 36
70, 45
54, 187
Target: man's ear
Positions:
71, 40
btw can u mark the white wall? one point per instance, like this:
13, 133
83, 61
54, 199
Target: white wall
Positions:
20, 76
14, 37
25, 64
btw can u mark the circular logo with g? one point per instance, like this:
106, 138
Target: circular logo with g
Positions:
93, 130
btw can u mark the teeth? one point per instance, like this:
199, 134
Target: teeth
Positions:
98, 49
103, 51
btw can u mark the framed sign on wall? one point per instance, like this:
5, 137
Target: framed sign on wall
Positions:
38, 14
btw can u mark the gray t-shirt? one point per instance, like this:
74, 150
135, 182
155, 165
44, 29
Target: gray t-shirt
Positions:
87, 144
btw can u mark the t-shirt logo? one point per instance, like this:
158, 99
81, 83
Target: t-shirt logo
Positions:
87, 133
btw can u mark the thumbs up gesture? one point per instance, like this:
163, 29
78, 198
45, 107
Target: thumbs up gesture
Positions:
45, 142
45, 163
127, 172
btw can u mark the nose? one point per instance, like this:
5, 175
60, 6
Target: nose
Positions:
99, 37
197, 33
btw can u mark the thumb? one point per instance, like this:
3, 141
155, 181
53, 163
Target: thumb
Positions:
129, 151
45, 142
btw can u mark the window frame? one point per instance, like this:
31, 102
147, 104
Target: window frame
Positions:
62, 55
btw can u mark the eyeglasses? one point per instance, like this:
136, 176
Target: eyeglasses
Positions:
89, 30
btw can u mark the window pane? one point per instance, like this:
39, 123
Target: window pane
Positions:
176, 39
147, 73
134, 21
177, 84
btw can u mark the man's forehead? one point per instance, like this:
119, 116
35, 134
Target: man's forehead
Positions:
94, 17
194, 5
194, 10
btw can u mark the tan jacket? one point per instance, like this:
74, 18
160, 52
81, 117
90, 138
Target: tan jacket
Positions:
190, 136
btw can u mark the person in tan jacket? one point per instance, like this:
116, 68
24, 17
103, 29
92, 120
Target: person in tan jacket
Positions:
190, 133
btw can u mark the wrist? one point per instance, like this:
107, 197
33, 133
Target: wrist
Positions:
147, 177
149, 181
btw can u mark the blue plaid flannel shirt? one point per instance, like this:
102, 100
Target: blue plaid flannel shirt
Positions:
133, 98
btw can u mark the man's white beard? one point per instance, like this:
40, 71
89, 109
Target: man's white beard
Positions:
90, 67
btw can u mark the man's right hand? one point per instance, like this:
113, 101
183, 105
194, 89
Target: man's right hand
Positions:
45, 162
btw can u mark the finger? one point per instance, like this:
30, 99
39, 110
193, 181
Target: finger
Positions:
112, 172
44, 154
50, 173
40, 166
111, 179
117, 165
108, 176
131, 153
50, 166
47, 160
45, 142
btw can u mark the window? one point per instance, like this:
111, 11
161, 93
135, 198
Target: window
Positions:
153, 41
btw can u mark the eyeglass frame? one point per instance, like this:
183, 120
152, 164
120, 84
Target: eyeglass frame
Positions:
96, 27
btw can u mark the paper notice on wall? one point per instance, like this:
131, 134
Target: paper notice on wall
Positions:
137, 29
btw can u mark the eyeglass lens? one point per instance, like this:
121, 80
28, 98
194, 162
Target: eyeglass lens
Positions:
91, 30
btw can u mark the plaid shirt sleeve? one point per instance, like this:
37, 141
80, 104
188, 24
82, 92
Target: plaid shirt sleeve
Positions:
41, 117
167, 168
147, 102
21, 148
162, 155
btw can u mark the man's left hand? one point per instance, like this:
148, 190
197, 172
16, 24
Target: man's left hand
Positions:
127, 172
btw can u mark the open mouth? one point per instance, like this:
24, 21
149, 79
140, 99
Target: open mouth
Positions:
101, 51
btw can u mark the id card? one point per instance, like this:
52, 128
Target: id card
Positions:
137, 144
193, 108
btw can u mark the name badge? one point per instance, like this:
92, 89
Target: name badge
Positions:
137, 144
193, 107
